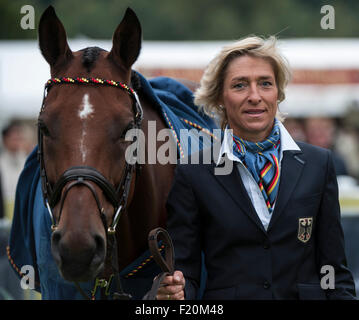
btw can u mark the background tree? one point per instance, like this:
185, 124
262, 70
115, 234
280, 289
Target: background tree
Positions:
189, 19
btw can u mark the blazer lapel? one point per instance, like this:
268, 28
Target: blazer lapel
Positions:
292, 166
233, 184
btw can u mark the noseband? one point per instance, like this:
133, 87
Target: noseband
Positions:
83, 175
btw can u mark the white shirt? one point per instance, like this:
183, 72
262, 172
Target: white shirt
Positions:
254, 193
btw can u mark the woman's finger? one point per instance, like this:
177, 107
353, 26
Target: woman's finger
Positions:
170, 289
176, 296
177, 278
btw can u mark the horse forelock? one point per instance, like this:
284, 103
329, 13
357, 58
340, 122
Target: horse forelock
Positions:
89, 56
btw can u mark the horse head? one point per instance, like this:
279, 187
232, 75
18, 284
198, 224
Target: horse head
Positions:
82, 128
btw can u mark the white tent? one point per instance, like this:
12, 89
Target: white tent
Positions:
23, 71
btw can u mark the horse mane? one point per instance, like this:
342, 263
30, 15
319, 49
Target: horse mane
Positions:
89, 56
135, 81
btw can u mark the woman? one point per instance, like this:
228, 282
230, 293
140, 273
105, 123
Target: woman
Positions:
270, 229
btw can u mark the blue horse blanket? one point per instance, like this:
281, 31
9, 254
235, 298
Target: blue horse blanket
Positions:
30, 238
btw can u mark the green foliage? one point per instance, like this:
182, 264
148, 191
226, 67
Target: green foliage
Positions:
188, 19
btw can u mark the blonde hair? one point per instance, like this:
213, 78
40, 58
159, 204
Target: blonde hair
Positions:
209, 93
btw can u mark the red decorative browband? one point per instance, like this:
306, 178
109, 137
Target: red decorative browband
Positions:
79, 80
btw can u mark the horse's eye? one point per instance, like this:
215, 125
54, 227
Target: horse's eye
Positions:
45, 131
127, 128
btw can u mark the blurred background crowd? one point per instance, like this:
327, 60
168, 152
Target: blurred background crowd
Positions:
18, 140
180, 38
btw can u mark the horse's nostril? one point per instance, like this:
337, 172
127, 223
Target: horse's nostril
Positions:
100, 244
56, 237
55, 240
79, 256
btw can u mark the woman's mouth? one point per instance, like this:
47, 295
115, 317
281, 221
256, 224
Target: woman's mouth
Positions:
254, 112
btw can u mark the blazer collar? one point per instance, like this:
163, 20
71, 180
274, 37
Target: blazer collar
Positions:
232, 183
292, 166
293, 163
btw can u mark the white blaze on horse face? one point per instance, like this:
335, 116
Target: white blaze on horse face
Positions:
86, 109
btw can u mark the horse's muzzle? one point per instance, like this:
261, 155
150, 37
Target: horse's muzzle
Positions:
79, 258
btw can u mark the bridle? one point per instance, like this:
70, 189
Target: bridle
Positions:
86, 175
80, 175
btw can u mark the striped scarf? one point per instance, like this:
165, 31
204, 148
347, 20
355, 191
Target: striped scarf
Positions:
262, 161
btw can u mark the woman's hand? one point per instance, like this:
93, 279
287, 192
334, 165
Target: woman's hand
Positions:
172, 287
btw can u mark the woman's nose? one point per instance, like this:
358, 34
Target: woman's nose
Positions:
254, 95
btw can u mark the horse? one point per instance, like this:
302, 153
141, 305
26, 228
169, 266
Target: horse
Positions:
85, 126
101, 206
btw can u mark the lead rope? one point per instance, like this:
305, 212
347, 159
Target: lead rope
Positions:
166, 265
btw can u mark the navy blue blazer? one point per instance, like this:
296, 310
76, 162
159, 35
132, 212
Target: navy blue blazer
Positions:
213, 214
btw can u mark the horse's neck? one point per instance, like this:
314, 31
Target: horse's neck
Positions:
147, 209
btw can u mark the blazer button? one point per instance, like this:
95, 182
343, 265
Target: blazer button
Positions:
266, 285
266, 245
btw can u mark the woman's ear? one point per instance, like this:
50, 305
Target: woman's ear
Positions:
220, 102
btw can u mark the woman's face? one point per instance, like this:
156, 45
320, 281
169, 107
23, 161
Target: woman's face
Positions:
250, 97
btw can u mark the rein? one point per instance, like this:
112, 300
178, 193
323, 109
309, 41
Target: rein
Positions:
85, 176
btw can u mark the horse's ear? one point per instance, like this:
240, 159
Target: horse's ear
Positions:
126, 42
52, 38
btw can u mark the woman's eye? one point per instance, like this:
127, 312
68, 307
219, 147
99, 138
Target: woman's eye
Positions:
239, 85
266, 83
